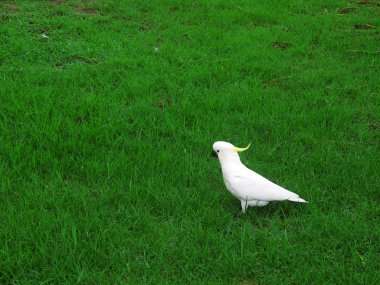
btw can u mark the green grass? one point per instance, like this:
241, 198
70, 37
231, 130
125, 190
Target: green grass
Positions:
106, 128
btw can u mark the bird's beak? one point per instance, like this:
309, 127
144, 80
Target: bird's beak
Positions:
239, 149
214, 153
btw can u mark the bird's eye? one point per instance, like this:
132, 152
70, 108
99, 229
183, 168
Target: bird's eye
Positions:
217, 150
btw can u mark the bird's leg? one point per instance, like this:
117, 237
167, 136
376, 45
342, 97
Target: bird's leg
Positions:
243, 205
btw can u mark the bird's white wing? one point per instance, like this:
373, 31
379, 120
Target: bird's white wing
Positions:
251, 186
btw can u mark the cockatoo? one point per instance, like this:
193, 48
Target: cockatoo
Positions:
249, 187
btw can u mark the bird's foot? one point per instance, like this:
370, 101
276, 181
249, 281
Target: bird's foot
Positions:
244, 206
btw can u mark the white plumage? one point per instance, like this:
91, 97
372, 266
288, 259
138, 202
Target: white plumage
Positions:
246, 185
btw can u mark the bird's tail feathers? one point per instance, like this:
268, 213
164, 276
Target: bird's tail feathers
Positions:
298, 199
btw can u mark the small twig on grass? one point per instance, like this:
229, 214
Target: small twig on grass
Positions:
364, 27
275, 81
364, 51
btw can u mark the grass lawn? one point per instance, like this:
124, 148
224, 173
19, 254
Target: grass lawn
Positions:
108, 112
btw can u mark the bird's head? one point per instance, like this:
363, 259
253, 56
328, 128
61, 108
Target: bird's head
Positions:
226, 150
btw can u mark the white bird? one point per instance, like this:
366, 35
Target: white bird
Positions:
246, 185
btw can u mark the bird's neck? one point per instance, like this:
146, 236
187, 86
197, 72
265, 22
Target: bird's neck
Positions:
230, 162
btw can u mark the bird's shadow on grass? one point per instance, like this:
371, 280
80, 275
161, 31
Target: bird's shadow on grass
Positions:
274, 210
